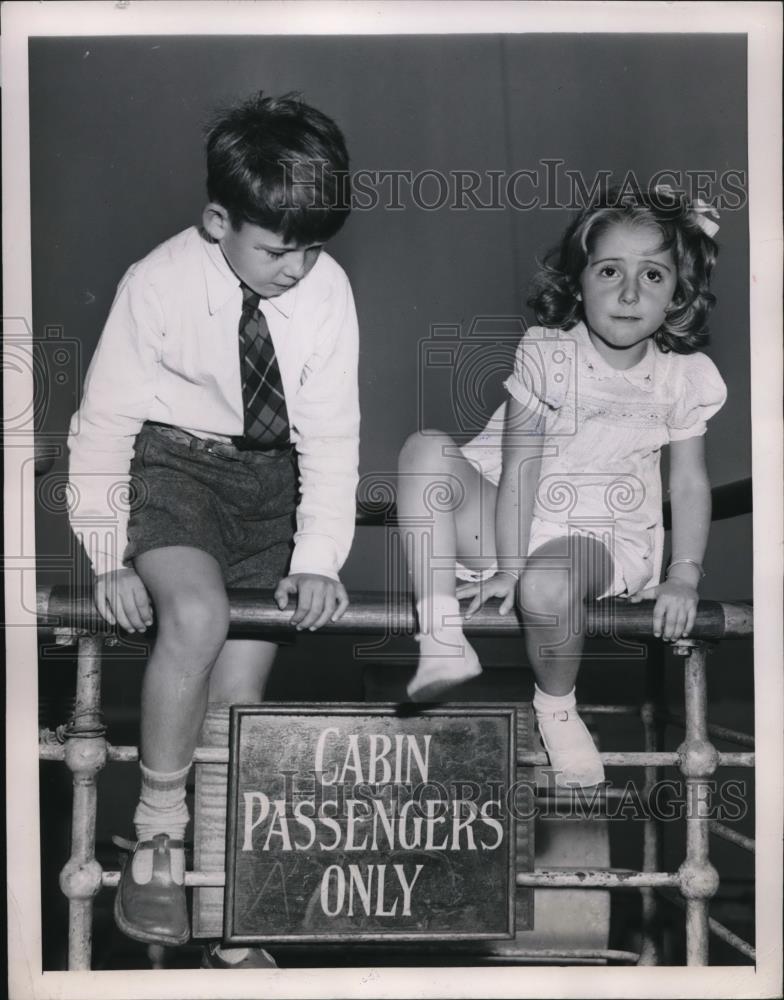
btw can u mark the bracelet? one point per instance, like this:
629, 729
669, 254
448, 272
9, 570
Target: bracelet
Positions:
691, 562
511, 572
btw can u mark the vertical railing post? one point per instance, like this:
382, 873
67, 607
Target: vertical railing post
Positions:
699, 880
650, 714
85, 755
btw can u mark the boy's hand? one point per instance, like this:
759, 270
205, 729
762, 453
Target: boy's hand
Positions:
319, 599
675, 608
501, 585
122, 599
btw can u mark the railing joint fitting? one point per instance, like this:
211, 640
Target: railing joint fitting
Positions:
698, 880
684, 647
66, 636
697, 758
73, 730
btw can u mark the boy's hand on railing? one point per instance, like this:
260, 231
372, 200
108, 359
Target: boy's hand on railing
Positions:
503, 585
122, 599
320, 599
675, 609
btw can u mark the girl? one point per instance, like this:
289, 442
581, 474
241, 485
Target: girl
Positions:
559, 501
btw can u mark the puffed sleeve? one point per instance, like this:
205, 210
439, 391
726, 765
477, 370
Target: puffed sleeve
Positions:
700, 392
542, 367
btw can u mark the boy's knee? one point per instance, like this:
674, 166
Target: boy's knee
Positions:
198, 618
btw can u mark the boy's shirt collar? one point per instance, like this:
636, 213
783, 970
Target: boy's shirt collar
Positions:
222, 283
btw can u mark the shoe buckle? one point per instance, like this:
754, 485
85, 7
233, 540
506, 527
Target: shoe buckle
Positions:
562, 716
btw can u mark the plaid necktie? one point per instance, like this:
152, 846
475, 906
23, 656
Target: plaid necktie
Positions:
266, 417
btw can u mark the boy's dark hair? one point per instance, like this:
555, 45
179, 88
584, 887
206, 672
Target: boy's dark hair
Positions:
281, 164
555, 287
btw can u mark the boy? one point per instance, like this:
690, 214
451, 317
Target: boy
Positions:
224, 386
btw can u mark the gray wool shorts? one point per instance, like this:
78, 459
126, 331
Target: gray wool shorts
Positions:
237, 505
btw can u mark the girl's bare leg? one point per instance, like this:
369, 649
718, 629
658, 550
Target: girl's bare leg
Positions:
446, 511
559, 578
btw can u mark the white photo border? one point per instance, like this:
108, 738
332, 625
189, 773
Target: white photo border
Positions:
762, 22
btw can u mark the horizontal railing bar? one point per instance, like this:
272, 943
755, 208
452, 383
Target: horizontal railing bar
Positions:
595, 878
567, 796
639, 758
715, 927
552, 878
562, 955
727, 833
609, 709
720, 732
730, 500
736, 759
201, 880
615, 758
620, 758
370, 613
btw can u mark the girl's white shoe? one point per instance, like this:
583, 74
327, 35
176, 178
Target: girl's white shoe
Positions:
571, 749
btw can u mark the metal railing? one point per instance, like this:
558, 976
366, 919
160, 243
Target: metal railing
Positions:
82, 744
84, 748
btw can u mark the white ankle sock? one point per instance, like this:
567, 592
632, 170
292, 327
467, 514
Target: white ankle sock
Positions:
446, 657
161, 809
438, 612
547, 704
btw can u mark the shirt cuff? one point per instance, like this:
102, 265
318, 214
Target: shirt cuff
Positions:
315, 554
105, 562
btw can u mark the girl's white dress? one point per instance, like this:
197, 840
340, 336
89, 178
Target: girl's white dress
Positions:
602, 443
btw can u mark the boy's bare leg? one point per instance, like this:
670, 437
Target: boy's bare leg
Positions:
446, 511
558, 579
191, 607
192, 612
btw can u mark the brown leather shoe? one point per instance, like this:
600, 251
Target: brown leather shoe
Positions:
154, 912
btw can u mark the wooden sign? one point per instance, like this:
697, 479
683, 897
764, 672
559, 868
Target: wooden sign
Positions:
354, 822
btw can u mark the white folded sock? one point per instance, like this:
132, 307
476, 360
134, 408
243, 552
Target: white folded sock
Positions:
446, 657
161, 809
551, 703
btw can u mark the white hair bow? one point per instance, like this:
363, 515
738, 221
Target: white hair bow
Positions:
700, 212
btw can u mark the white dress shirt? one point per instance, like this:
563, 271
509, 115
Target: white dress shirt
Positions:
169, 352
